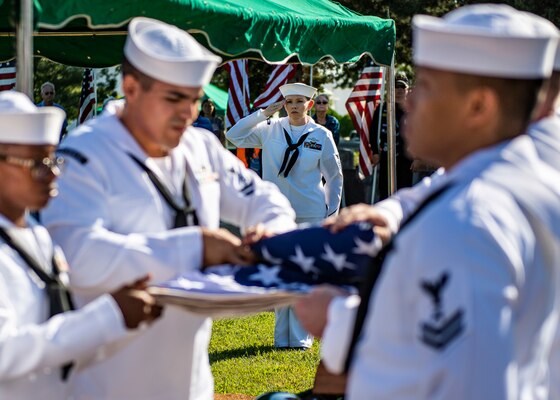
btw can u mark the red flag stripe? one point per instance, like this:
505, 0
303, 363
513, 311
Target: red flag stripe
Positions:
7, 75
238, 93
275, 80
279, 76
88, 98
360, 105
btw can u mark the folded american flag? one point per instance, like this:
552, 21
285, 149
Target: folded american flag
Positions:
312, 256
290, 264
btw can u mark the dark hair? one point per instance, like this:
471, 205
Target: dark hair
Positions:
517, 98
207, 100
127, 68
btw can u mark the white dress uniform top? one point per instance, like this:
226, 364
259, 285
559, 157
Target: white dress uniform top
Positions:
318, 158
33, 347
470, 309
545, 135
114, 227
470, 319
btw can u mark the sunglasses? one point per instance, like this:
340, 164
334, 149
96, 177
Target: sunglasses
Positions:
48, 92
321, 102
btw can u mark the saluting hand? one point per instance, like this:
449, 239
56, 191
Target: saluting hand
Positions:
273, 108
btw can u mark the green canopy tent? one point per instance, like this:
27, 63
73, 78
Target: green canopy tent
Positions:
92, 33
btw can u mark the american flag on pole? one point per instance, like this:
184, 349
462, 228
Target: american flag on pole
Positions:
88, 98
360, 105
238, 93
279, 76
7, 75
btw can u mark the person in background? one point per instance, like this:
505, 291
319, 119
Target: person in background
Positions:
322, 117
48, 93
380, 148
42, 341
144, 192
208, 110
297, 154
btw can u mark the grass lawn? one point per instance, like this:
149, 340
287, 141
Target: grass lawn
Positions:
244, 360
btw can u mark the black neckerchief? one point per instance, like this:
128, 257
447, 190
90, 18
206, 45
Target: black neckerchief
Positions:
60, 299
376, 266
291, 148
184, 216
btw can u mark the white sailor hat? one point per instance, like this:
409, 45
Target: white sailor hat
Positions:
168, 54
487, 40
21, 122
298, 89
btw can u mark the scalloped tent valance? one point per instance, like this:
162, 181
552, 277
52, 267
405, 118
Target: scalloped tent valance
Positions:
92, 33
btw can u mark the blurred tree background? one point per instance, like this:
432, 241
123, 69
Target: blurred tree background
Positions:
67, 79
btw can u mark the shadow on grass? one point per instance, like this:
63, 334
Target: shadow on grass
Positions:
248, 351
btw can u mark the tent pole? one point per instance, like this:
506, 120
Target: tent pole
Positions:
311, 75
391, 133
24, 48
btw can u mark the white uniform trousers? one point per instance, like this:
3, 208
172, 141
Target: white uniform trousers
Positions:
288, 332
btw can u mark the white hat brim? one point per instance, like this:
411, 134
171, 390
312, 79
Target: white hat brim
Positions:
41, 127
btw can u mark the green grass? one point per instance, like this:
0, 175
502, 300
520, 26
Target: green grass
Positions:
244, 360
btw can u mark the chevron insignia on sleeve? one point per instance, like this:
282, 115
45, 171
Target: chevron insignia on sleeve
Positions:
439, 334
440, 330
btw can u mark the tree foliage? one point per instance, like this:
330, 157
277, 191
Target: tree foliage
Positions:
402, 11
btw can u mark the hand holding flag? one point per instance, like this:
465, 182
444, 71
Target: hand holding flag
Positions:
292, 263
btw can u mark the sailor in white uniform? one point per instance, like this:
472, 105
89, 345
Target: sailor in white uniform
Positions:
388, 214
503, 231
144, 192
43, 342
297, 154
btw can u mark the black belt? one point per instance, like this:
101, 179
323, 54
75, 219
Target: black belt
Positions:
372, 274
291, 148
184, 216
60, 299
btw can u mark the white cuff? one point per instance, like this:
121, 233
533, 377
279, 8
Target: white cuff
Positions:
338, 332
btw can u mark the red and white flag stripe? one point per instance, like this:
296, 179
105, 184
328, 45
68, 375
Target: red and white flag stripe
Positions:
88, 97
7, 75
360, 105
279, 76
238, 93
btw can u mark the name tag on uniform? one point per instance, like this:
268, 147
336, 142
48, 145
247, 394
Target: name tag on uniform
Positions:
204, 175
313, 145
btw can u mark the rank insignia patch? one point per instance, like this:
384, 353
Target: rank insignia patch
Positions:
440, 330
313, 145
